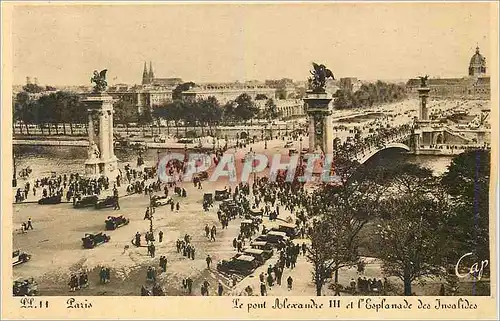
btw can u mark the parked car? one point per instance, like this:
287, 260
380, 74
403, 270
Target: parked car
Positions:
273, 237
114, 222
222, 195
264, 246
161, 201
106, 202
49, 200
289, 228
292, 151
19, 257
25, 287
244, 264
288, 144
92, 240
202, 176
87, 201
259, 255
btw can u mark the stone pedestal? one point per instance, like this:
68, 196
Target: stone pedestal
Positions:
423, 93
320, 110
101, 159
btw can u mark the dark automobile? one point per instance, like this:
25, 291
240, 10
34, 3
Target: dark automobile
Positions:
19, 257
208, 198
56, 199
222, 195
260, 255
288, 228
158, 201
201, 176
273, 237
264, 246
114, 222
243, 264
92, 240
107, 202
25, 287
253, 213
87, 201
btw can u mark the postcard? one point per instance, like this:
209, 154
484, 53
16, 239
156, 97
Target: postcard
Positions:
250, 160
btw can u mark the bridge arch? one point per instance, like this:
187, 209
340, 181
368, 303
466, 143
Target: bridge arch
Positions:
373, 152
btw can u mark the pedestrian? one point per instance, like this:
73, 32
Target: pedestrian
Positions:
289, 281
152, 250
29, 226
172, 206
263, 290
192, 252
160, 236
189, 283
207, 230
220, 289
117, 204
212, 235
177, 206
208, 260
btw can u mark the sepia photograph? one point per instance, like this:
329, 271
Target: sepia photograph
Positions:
252, 150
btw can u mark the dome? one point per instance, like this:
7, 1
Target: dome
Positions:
477, 65
477, 59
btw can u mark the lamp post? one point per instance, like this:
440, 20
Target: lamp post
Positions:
14, 178
253, 167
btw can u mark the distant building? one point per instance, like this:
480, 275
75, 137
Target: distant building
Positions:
226, 92
351, 84
148, 78
141, 96
474, 86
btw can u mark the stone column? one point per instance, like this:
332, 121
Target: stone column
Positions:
104, 135
328, 134
110, 129
90, 128
312, 134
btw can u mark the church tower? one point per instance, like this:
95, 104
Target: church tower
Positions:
151, 73
145, 75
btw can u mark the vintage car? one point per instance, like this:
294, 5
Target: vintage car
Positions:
208, 198
222, 195
259, 255
253, 213
247, 222
161, 201
92, 240
201, 176
87, 201
264, 246
292, 151
106, 202
24, 287
19, 257
288, 144
244, 265
114, 222
49, 200
273, 237
289, 228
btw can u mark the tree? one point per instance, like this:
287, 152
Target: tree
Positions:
125, 113
408, 240
409, 236
340, 212
32, 88
245, 108
261, 97
177, 92
333, 246
270, 111
467, 181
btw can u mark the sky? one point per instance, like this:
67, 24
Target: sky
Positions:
62, 45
